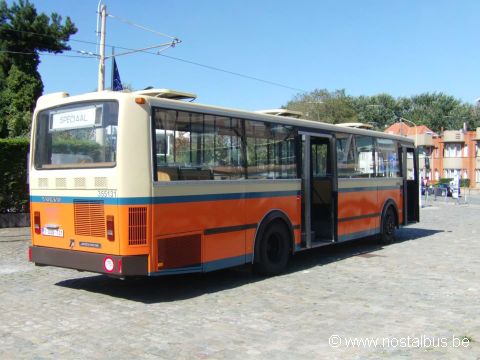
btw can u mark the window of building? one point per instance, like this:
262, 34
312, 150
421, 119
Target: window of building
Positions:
465, 150
450, 173
452, 150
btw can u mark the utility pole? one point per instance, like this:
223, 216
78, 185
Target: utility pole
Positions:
101, 65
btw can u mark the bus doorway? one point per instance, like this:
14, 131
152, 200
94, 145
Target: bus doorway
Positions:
318, 190
411, 194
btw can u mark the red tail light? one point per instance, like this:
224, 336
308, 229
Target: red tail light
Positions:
119, 266
36, 222
110, 228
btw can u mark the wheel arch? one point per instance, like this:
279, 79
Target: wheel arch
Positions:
271, 216
387, 204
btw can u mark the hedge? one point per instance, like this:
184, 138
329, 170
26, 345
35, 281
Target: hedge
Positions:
463, 182
13, 175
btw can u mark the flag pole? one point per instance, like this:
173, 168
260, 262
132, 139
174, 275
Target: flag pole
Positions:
113, 66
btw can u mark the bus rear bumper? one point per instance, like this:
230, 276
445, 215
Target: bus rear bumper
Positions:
114, 265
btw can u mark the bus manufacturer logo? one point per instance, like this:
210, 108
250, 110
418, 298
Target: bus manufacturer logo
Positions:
90, 245
51, 199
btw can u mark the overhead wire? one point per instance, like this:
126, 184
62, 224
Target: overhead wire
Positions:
131, 23
86, 55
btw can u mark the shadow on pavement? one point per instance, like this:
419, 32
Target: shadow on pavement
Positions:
151, 290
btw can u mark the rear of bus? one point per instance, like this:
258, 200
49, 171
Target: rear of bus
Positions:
87, 154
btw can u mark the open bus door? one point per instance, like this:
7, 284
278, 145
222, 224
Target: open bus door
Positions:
411, 185
319, 190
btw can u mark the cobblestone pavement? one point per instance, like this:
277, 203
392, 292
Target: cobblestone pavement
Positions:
426, 287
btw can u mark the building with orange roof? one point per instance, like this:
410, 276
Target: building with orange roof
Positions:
453, 152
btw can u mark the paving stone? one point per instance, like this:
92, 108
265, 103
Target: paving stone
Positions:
426, 284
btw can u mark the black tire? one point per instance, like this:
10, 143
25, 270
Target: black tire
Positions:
273, 250
387, 235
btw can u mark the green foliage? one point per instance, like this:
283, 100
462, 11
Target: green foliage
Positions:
23, 33
465, 183
435, 110
445, 180
16, 99
13, 182
322, 105
74, 146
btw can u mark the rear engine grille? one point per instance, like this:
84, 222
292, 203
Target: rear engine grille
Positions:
137, 226
89, 218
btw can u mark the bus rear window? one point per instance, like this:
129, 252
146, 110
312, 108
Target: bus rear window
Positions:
83, 135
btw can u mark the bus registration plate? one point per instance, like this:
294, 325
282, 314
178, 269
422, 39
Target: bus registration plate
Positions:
52, 232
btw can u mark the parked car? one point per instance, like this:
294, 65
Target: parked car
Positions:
442, 189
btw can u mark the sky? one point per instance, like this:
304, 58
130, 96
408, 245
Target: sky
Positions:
366, 47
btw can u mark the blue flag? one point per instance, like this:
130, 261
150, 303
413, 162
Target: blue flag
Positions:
116, 82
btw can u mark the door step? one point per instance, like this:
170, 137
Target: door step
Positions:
315, 244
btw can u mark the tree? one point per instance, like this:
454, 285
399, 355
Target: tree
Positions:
379, 110
322, 105
435, 110
19, 90
23, 34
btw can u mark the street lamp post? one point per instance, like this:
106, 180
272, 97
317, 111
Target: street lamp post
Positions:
415, 125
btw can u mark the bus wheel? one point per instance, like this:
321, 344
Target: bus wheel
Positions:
273, 250
387, 236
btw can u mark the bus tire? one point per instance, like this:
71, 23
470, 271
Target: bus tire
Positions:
387, 234
273, 250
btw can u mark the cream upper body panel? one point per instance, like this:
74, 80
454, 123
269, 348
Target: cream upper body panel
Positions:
131, 174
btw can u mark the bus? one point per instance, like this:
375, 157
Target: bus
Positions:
142, 184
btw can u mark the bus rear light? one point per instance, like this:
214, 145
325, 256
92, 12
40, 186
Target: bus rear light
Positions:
119, 265
110, 228
108, 264
36, 222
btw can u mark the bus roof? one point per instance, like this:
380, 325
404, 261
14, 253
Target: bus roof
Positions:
47, 101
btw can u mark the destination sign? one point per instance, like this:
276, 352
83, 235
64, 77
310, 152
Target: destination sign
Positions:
74, 119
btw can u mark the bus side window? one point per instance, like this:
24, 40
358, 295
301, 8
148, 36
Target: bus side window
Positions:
270, 150
345, 155
196, 146
364, 156
387, 164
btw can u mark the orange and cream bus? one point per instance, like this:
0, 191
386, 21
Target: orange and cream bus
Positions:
130, 184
